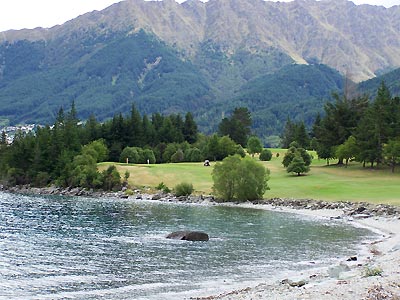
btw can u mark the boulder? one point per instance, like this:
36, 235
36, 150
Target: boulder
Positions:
188, 236
156, 197
294, 283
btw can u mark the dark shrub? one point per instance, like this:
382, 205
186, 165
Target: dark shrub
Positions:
266, 155
183, 189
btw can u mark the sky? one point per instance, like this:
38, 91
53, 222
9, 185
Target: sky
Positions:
19, 14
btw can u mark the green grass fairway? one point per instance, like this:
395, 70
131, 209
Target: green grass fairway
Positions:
321, 183
170, 174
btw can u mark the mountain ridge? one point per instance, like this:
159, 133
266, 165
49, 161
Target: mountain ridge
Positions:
208, 58
336, 33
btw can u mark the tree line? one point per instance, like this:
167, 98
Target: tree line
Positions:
67, 152
353, 129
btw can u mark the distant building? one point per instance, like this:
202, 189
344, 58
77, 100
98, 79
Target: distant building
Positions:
12, 130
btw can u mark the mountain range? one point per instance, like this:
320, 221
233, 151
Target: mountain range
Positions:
279, 59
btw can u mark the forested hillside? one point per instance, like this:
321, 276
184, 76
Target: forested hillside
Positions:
296, 92
102, 74
107, 74
278, 59
391, 79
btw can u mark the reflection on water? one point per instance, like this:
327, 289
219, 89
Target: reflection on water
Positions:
79, 248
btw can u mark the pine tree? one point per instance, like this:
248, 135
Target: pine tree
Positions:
178, 127
382, 118
288, 134
134, 131
3, 141
237, 127
297, 165
366, 140
340, 122
92, 130
294, 150
376, 127
190, 129
301, 136
149, 134
71, 130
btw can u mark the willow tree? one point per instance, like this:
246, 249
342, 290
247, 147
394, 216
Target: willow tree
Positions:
240, 179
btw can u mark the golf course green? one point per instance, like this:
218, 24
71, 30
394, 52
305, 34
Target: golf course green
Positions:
323, 182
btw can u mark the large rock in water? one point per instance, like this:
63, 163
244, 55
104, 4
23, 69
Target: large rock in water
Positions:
188, 236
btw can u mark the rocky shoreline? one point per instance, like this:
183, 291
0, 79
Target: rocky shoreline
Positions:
350, 283
355, 209
372, 274
359, 210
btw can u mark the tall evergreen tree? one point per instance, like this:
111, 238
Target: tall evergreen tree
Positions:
134, 129
366, 140
3, 140
149, 134
178, 127
190, 129
297, 165
92, 130
340, 121
295, 132
168, 133
376, 127
382, 118
288, 134
72, 131
237, 127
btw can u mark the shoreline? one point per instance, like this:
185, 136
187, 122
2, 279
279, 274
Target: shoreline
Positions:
381, 258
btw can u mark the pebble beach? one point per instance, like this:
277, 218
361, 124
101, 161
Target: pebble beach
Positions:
371, 275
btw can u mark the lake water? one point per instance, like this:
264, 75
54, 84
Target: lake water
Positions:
82, 248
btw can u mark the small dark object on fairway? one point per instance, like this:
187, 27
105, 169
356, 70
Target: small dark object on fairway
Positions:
188, 236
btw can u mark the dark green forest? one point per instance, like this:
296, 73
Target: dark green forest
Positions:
296, 92
104, 73
354, 129
391, 79
67, 153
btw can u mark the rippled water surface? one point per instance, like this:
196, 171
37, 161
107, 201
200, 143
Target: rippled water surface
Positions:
79, 248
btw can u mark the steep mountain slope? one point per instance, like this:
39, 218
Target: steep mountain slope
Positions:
391, 80
203, 57
103, 75
298, 92
360, 40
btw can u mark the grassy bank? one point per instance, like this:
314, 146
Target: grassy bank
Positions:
322, 182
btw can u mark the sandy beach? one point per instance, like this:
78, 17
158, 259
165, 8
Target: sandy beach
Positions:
373, 274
